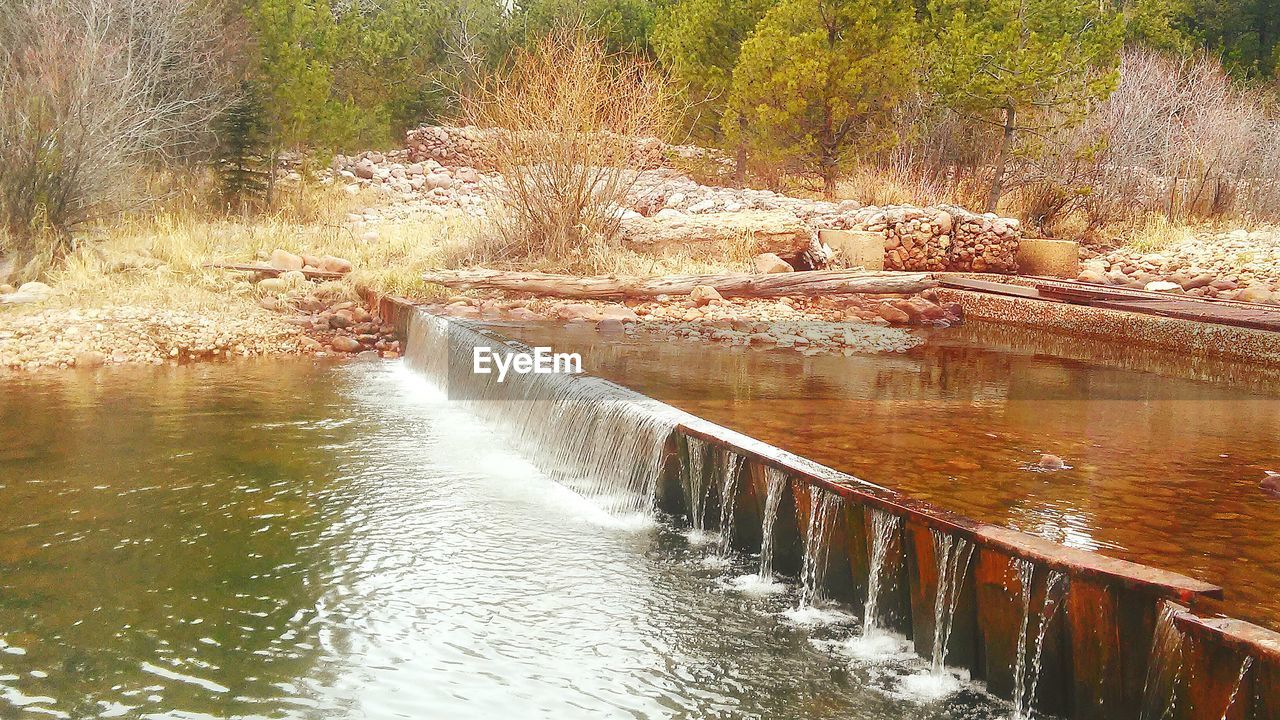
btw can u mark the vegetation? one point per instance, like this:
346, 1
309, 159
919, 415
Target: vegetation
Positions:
1032, 108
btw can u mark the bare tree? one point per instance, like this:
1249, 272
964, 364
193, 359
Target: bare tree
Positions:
93, 90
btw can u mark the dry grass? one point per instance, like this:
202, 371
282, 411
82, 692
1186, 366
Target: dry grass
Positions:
157, 259
566, 111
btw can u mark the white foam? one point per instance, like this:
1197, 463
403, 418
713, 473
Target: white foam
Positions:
753, 584
813, 615
879, 647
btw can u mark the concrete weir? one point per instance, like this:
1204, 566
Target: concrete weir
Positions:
1055, 630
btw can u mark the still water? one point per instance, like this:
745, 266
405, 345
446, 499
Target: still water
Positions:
293, 539
1165, 453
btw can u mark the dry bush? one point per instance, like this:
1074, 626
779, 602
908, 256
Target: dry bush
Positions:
92, 89
568, 110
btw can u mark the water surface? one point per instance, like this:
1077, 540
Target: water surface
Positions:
292, 539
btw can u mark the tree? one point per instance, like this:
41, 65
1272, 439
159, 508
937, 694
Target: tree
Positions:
242, 143
1022, 65
699, 42
819, 80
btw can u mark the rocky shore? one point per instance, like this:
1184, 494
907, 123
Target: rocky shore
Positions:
1236, 265
837, 323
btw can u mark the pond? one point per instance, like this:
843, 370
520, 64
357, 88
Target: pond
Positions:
1164, 453
296, 539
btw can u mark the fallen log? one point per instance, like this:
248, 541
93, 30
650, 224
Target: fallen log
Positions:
813, 282
275, 271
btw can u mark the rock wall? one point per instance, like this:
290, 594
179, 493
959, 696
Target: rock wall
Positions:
942, 238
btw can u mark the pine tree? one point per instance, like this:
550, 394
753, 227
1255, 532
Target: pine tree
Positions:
699, 42
1022, 65
242, 141
820, 79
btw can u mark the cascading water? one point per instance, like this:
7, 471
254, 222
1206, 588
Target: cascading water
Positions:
730, 466
1235, 692
775, 482
1026, 673
884, 527
693, 473
823, 506
602, 440
952, 555
1164, 666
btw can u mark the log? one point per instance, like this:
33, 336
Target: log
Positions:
274, 271
777, 232
814, 282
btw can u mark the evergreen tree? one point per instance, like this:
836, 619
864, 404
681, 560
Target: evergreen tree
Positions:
242, 141
699, 42
1022, 64
819, 80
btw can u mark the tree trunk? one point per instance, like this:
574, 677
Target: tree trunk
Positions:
815, 282
1006, 147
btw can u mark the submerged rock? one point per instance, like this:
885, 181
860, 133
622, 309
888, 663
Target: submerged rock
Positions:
1271, 483
1051, 462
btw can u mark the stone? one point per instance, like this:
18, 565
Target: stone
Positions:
771, 231
1254, 294
1271, 483
1162, 286
345, 344
90, 359
1199, 281
1051, 258
610, 325
285, 260
1092, 276
859, 248
702, 295
768, 263
1051, 462
274, 285
893, 315
329, 263
28, 292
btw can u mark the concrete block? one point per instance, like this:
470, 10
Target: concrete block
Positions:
1053, 258
859, 247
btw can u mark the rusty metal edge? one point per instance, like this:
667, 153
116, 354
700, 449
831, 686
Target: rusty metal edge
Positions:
1244, 637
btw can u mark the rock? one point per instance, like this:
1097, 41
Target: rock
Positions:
772, 231
1271, 483
90, 359
1092, 276
619, 312
329, 263
768, 263
285, 260
274, 285
345, 344
703, 295
1254, 294
28, 292
1051, 462
893, 315
1199, 281
610, 325
1162, 286
1223, 284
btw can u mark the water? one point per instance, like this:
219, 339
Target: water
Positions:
1164, 668
1026, 673
884, 528
823, 508
299, 540
1166, 452
1235, 692
730, 468
953, 555
693, 472
775, 483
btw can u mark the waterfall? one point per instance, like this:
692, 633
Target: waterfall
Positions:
730, 466
952, 554
823, 505
1164, 666
776, 482
1235, 692
1026, 674
600, 439
693, 473
884, 526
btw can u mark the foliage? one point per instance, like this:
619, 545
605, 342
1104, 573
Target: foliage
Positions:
242, 151
564, 115
624, 26
819, 79
1025, 66
699, 41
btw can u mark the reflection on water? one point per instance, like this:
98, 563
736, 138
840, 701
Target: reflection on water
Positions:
1165, 459
297, 540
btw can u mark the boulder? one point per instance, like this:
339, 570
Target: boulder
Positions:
28, 292
285, 260
1051, 462
90, 359
777, 232
1162, 286
768, 263
893, 315
329, 263
703, 294
345, 344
